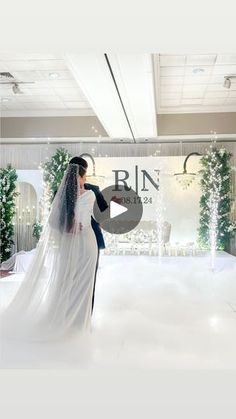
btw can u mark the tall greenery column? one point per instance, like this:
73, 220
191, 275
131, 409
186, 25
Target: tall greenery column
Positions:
8, 178
216, 176
54, 170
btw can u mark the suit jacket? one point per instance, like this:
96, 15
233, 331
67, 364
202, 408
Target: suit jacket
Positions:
102, 206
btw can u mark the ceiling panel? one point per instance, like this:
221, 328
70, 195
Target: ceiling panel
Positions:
191, 79
171, 95
12, 106
226, 59
44, 105
171, 103
194, 83
224, 69
216, 87
197, 94
170, 88
231, 100
35, 98
215, 79
175, 80
172, 71
212, 94
201, 60
194, 88
190, 101
214, 101
172, 61
75, 105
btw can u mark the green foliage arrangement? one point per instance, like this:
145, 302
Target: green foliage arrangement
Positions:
8, 178
216, 175
54, 171
37, 230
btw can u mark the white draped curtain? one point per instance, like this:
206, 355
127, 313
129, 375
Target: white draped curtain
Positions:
31, 156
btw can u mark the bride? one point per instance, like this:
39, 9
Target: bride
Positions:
55, 297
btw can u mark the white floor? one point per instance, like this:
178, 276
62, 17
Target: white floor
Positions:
168, 314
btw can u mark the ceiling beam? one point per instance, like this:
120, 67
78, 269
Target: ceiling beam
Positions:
121, 93
134, 77
92, 75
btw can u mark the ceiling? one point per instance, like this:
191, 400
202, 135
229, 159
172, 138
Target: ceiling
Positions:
54, 87
194, 83
126, 93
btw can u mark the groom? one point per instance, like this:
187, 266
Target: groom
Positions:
95, 226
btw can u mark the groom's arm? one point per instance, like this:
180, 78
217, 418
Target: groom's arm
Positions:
102, 204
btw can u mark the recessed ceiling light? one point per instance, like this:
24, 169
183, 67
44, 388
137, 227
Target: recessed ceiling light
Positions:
53, 75
198, 70
5, 99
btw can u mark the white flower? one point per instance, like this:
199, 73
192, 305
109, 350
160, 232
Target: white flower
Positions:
222, 151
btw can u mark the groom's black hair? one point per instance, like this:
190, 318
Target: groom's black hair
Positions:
80, 161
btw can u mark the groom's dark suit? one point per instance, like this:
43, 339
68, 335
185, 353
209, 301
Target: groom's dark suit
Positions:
96, 227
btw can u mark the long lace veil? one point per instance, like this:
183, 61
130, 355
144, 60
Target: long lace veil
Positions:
41, 306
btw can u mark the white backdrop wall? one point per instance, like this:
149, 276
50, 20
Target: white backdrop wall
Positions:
180, 208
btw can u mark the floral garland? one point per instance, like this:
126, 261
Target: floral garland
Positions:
215, 202
8, 178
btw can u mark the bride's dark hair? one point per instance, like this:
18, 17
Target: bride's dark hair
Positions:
67, 213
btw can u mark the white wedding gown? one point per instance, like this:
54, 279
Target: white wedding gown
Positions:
55, 297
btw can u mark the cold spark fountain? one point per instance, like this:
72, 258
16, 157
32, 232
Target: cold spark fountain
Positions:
160, 219
213, 206
213, 229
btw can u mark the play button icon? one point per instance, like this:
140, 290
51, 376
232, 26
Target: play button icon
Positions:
124, 210
116, 209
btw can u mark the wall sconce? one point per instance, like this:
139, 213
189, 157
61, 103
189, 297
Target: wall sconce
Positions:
96, 179
185, 179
